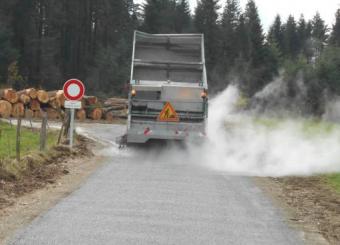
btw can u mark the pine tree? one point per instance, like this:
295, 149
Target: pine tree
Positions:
259, 66
182, 17
319, 30
275, 35
242, 38
319, 34
291, 47
206, 22
7, 52
302, 34
230, 23
255, 34
335, 35
159, 16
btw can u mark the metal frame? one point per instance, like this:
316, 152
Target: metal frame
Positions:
194, 128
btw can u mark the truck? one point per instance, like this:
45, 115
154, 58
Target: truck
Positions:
168, 89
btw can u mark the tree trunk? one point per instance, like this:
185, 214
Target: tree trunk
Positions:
94, 113
24, 98
116, 102
109, 116
9, 94
60, 97
90, 100
42, 96
54, 103
18, 110
31, 92
5, 109
35, 105
81, 115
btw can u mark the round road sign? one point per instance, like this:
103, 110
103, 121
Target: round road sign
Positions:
74, 89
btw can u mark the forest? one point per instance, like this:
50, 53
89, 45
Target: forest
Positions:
45, 42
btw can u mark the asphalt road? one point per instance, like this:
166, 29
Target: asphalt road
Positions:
151, 196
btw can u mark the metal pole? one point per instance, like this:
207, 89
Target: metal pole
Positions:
71, 127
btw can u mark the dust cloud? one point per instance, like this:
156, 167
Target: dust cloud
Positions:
243, 144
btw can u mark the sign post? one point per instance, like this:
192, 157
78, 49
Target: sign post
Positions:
74, 91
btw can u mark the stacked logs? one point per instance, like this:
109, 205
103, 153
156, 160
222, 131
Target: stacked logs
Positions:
29, 103
115, 108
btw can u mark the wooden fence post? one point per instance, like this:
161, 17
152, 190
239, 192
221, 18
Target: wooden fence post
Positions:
43, 133
18, 139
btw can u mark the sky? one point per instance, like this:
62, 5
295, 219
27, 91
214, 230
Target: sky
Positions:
268, 9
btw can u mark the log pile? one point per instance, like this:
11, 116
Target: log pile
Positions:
29, 103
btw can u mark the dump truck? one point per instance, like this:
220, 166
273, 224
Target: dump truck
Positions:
168, 90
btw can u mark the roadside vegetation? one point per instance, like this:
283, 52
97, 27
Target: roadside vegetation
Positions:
31, 157
334, 181
30, 139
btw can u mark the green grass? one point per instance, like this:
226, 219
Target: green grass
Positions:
309, 127
334, 180
29, 140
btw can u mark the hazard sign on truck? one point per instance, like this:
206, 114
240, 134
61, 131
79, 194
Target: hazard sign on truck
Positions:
168, 114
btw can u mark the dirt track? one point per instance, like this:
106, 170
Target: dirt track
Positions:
310, 202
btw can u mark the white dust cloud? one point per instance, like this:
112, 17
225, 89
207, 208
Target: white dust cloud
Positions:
243, 145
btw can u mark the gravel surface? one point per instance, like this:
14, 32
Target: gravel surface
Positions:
146, 196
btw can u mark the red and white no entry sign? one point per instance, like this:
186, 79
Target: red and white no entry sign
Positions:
74, 89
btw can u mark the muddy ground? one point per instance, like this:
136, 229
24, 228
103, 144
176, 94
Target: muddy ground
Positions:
311, 204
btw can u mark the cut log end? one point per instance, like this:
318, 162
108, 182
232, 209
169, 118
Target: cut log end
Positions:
5, 109
10, 95
42, 96
35, 105
32, 92
24, 98
81, 115
96, 113
18, 110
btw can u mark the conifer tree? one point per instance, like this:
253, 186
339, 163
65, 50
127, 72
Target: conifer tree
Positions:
275, 35
242, 38
335, 35
159, 16
255, 34
182, 17
291, 47
206, 22
230, 23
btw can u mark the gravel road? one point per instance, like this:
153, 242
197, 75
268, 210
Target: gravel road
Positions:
150, 196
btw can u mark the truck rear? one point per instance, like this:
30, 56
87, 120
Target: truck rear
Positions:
168, 88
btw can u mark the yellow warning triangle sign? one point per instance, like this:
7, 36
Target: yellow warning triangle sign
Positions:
168, 114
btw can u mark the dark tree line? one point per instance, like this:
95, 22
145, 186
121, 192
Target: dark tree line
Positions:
50, 41
45, 42
238, 49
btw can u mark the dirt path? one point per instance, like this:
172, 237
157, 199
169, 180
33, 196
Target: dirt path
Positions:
25, 208
310, 204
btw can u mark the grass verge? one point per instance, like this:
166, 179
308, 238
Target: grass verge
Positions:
334, 181
29, 140
29, 150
